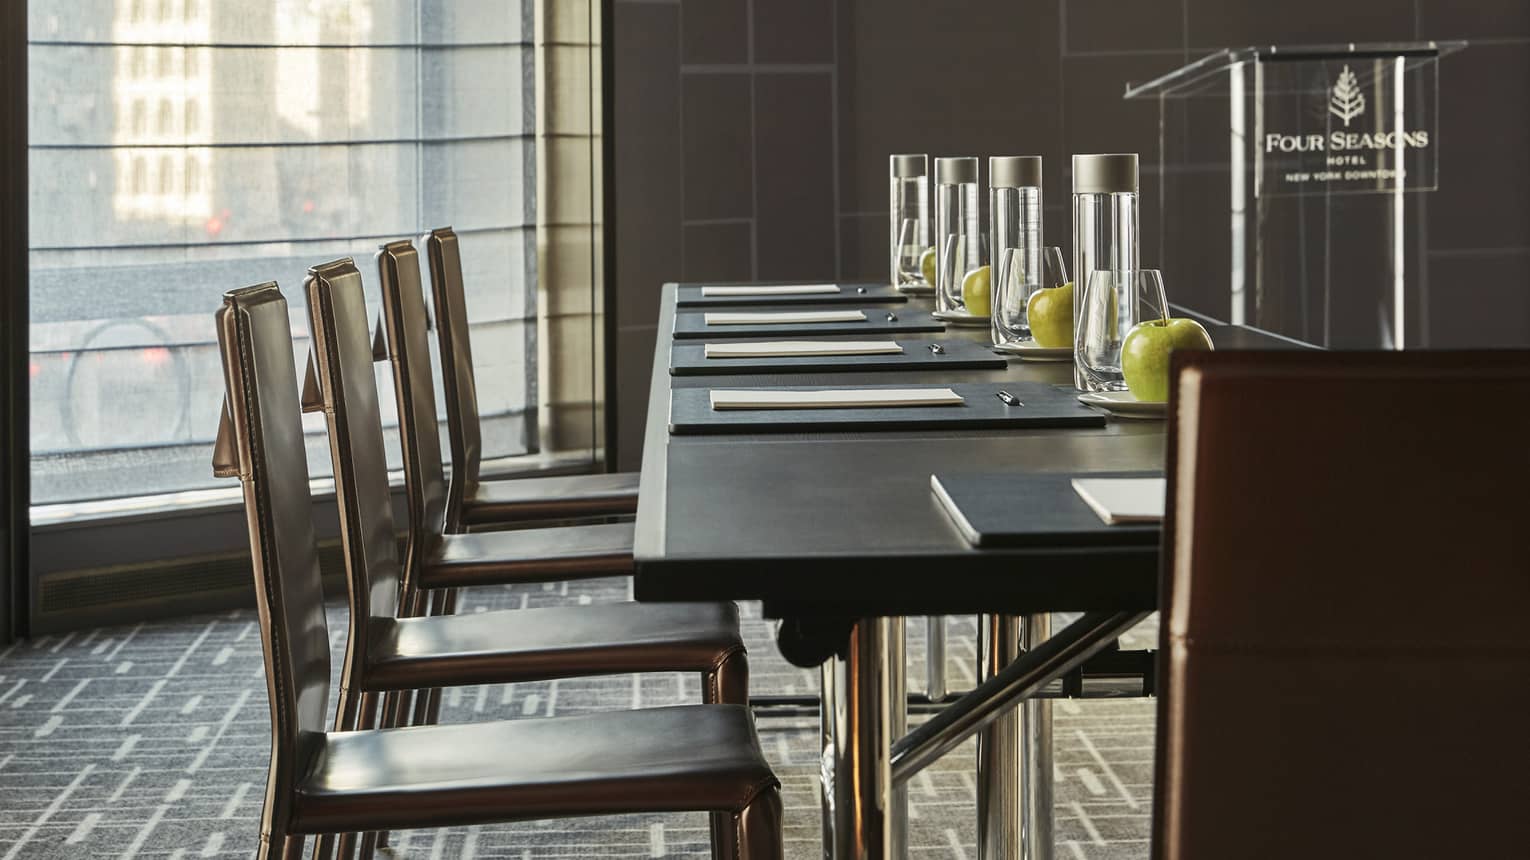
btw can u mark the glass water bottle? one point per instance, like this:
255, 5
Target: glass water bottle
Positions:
908, 188
958, 240
1014, 222
1104, 227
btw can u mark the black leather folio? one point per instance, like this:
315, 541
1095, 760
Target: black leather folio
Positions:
1029, 509
689, 359
691, 412
689, 295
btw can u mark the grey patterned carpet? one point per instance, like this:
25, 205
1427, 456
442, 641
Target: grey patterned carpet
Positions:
151, 741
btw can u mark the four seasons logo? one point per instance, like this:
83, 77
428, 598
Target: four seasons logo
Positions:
1346, 101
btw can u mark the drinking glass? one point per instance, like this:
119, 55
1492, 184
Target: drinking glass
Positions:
1113, 302
1021, 273
954, 268
911, 247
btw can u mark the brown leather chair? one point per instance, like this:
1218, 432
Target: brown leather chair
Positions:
1345, 653
471, 502
689, 758
437, 560
386, 652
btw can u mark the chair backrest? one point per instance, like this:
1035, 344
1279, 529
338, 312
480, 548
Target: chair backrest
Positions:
1345, 655
457, 382
269, 456
337, 312
403, 298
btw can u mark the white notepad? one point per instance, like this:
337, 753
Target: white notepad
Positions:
1123, 500
782, 317
791, 348
839, 398
774, 290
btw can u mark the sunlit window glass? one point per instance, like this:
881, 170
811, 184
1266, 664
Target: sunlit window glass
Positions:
288, 133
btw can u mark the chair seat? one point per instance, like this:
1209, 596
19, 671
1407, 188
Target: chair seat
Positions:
529, 555
564, 497
559, 642
676, 759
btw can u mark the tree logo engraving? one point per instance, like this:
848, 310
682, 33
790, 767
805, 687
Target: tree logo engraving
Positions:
1346, 101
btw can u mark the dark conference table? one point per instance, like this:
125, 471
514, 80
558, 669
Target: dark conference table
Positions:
839, 535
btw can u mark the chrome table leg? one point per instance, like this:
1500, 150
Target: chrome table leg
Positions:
999, 746
856, 775
897, 695
935, 658
1035, 758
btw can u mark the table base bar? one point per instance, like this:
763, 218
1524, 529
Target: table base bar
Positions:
1048, 661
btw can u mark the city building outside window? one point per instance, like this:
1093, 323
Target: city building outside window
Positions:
284, 134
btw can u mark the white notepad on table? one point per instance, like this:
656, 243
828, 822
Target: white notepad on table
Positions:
772, 290
793, 348
1123, 500
844, 398
782, 317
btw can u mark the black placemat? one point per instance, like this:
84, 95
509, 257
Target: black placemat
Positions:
691, 412
690, 325
1029, 509
689, 295
689, 359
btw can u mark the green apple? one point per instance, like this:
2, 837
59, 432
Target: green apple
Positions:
1050, 314
1145, 354
927, 265
976, 288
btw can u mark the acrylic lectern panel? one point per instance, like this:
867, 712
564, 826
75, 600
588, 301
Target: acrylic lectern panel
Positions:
1295, 188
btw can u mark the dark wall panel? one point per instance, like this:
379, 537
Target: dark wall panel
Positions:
795, 138
716, 31
785, 99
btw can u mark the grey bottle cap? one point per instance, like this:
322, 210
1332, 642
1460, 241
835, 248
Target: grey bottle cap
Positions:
1105, 174
908, 165
1014, 171
954, 171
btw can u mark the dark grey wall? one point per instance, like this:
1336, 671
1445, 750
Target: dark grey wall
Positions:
751, 135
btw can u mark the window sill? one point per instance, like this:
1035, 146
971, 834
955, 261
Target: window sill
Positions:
198, 502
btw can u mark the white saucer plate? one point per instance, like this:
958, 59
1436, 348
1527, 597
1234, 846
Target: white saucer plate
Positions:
1123, 404
961, 318
1029, 351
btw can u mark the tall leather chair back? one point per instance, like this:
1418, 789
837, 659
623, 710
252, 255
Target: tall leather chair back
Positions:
398, 266
458, 384
337, 312
1345, 652
269, 456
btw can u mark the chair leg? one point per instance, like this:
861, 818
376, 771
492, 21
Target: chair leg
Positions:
728, 682
271, 846
324, 846
427, 703
368, 717
757, 829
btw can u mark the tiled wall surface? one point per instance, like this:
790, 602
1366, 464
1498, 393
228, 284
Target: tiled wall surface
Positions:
752, 135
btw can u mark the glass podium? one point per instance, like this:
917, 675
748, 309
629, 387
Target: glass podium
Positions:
1294, 193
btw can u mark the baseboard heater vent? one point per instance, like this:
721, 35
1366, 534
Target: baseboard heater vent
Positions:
129, 593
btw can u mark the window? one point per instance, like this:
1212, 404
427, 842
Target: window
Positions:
313, 129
